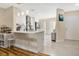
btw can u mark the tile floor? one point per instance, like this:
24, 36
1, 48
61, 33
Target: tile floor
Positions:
66, 48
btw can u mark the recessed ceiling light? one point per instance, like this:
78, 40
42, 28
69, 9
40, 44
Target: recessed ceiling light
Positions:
22, 13
27, 11
18, 14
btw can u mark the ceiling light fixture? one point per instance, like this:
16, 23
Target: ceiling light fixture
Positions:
18, 14
27, 12
22, 13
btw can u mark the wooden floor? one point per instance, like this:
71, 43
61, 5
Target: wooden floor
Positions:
14, 51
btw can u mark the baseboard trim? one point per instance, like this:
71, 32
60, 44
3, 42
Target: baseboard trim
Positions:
71, 39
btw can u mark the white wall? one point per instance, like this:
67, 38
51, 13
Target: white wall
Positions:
6, 17
1, 16
72, 25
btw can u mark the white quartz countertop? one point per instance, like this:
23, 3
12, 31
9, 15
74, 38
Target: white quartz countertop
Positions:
28, 31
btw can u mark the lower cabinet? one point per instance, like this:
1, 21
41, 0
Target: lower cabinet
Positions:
30, 41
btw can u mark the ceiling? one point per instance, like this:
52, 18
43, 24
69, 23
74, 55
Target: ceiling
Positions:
45, 10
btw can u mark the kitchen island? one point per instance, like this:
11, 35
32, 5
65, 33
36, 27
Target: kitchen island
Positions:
30, 40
